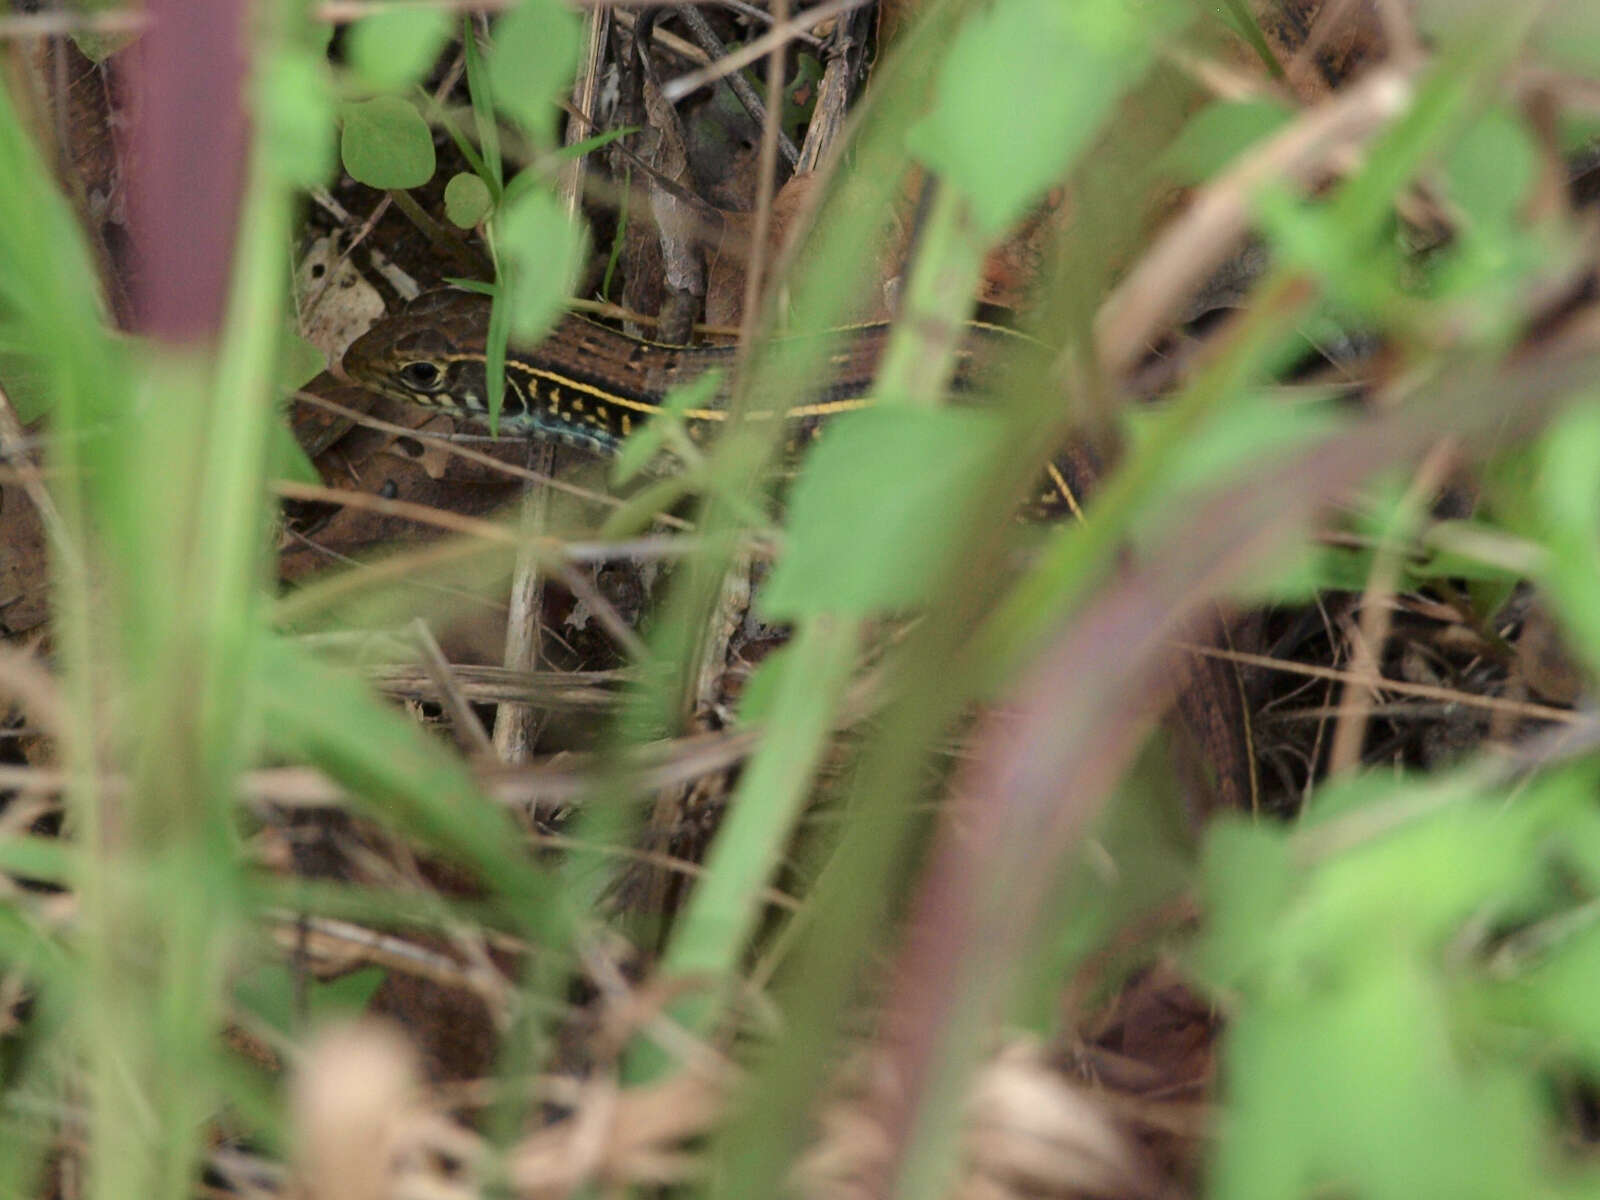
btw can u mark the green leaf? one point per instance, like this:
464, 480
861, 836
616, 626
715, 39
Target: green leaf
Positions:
541, 250
1568, 37
533, 58
875, 512
639, 511
26, 381
599, 141
1576, 134
472, 285
1310, 570
1139, 856
1253, 427
712, 936
466, 199
299, 361
1071, 62
1347, 953
42, 859
1237, 15
1360, 273
286, 459
1476, 550
1567, 492
97, 47
1491, 167
478, 88
1248, 881
386, 143
760, 693
294, 105
395, 48
1559, 993
1218, 134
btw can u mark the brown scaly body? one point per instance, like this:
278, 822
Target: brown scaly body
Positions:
587, 384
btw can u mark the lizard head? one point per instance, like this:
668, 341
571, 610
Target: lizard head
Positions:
429, 353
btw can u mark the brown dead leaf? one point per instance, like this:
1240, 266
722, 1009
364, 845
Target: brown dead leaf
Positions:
792, 210
24, 564
1544, 660
351, 1097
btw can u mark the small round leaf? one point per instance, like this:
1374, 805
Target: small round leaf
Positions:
386, 143
394, 48
466, 199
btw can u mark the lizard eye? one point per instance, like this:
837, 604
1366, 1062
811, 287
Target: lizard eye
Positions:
422, 375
